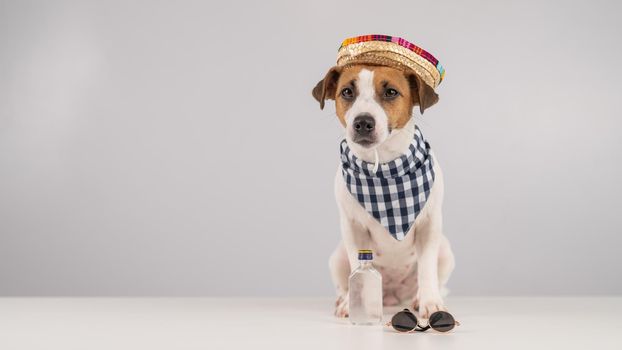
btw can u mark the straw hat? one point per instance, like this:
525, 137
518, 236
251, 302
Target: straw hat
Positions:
391, 51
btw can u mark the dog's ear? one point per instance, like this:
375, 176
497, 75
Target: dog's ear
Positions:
326, 88
422, 94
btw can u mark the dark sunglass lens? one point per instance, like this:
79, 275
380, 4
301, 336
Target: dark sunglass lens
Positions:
404, 321
442, 321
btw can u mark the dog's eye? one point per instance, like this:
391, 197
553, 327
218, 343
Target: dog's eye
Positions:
347, 93
390, 93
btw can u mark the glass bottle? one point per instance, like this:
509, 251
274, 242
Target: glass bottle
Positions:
365, 292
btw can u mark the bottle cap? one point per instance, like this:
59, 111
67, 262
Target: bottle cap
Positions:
366, 254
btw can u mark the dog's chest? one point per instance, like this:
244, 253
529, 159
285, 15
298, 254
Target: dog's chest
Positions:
395, 260
391, 253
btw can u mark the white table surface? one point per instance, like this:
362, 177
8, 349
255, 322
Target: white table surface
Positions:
286, 323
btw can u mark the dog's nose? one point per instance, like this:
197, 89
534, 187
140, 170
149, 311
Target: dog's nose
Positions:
364, 124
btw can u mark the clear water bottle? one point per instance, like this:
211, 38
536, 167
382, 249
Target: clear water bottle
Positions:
365, 290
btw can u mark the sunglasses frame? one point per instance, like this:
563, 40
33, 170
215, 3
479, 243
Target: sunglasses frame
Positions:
419, 328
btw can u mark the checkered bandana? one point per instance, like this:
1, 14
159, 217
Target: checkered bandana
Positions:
398, 191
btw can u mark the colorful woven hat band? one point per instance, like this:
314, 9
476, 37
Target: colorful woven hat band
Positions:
391, 51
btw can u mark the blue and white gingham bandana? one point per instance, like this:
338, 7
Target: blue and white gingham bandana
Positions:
397, 192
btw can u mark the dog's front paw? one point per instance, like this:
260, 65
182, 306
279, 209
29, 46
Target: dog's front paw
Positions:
428, 303
341, 306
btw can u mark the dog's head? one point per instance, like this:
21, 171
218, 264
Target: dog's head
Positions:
373, 101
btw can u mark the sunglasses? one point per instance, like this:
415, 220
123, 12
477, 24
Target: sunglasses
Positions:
405, 321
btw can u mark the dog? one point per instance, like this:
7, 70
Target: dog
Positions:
375, 103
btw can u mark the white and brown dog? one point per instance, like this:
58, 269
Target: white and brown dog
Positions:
375, 104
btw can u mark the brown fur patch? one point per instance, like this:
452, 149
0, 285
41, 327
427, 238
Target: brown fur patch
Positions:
398, 110
325, 88
425, 96
348, 78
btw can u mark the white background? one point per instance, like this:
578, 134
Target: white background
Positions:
174, 148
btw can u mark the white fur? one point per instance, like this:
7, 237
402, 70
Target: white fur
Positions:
413, 270
366, 103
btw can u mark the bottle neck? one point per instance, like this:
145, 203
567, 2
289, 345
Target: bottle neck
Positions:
365, 263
